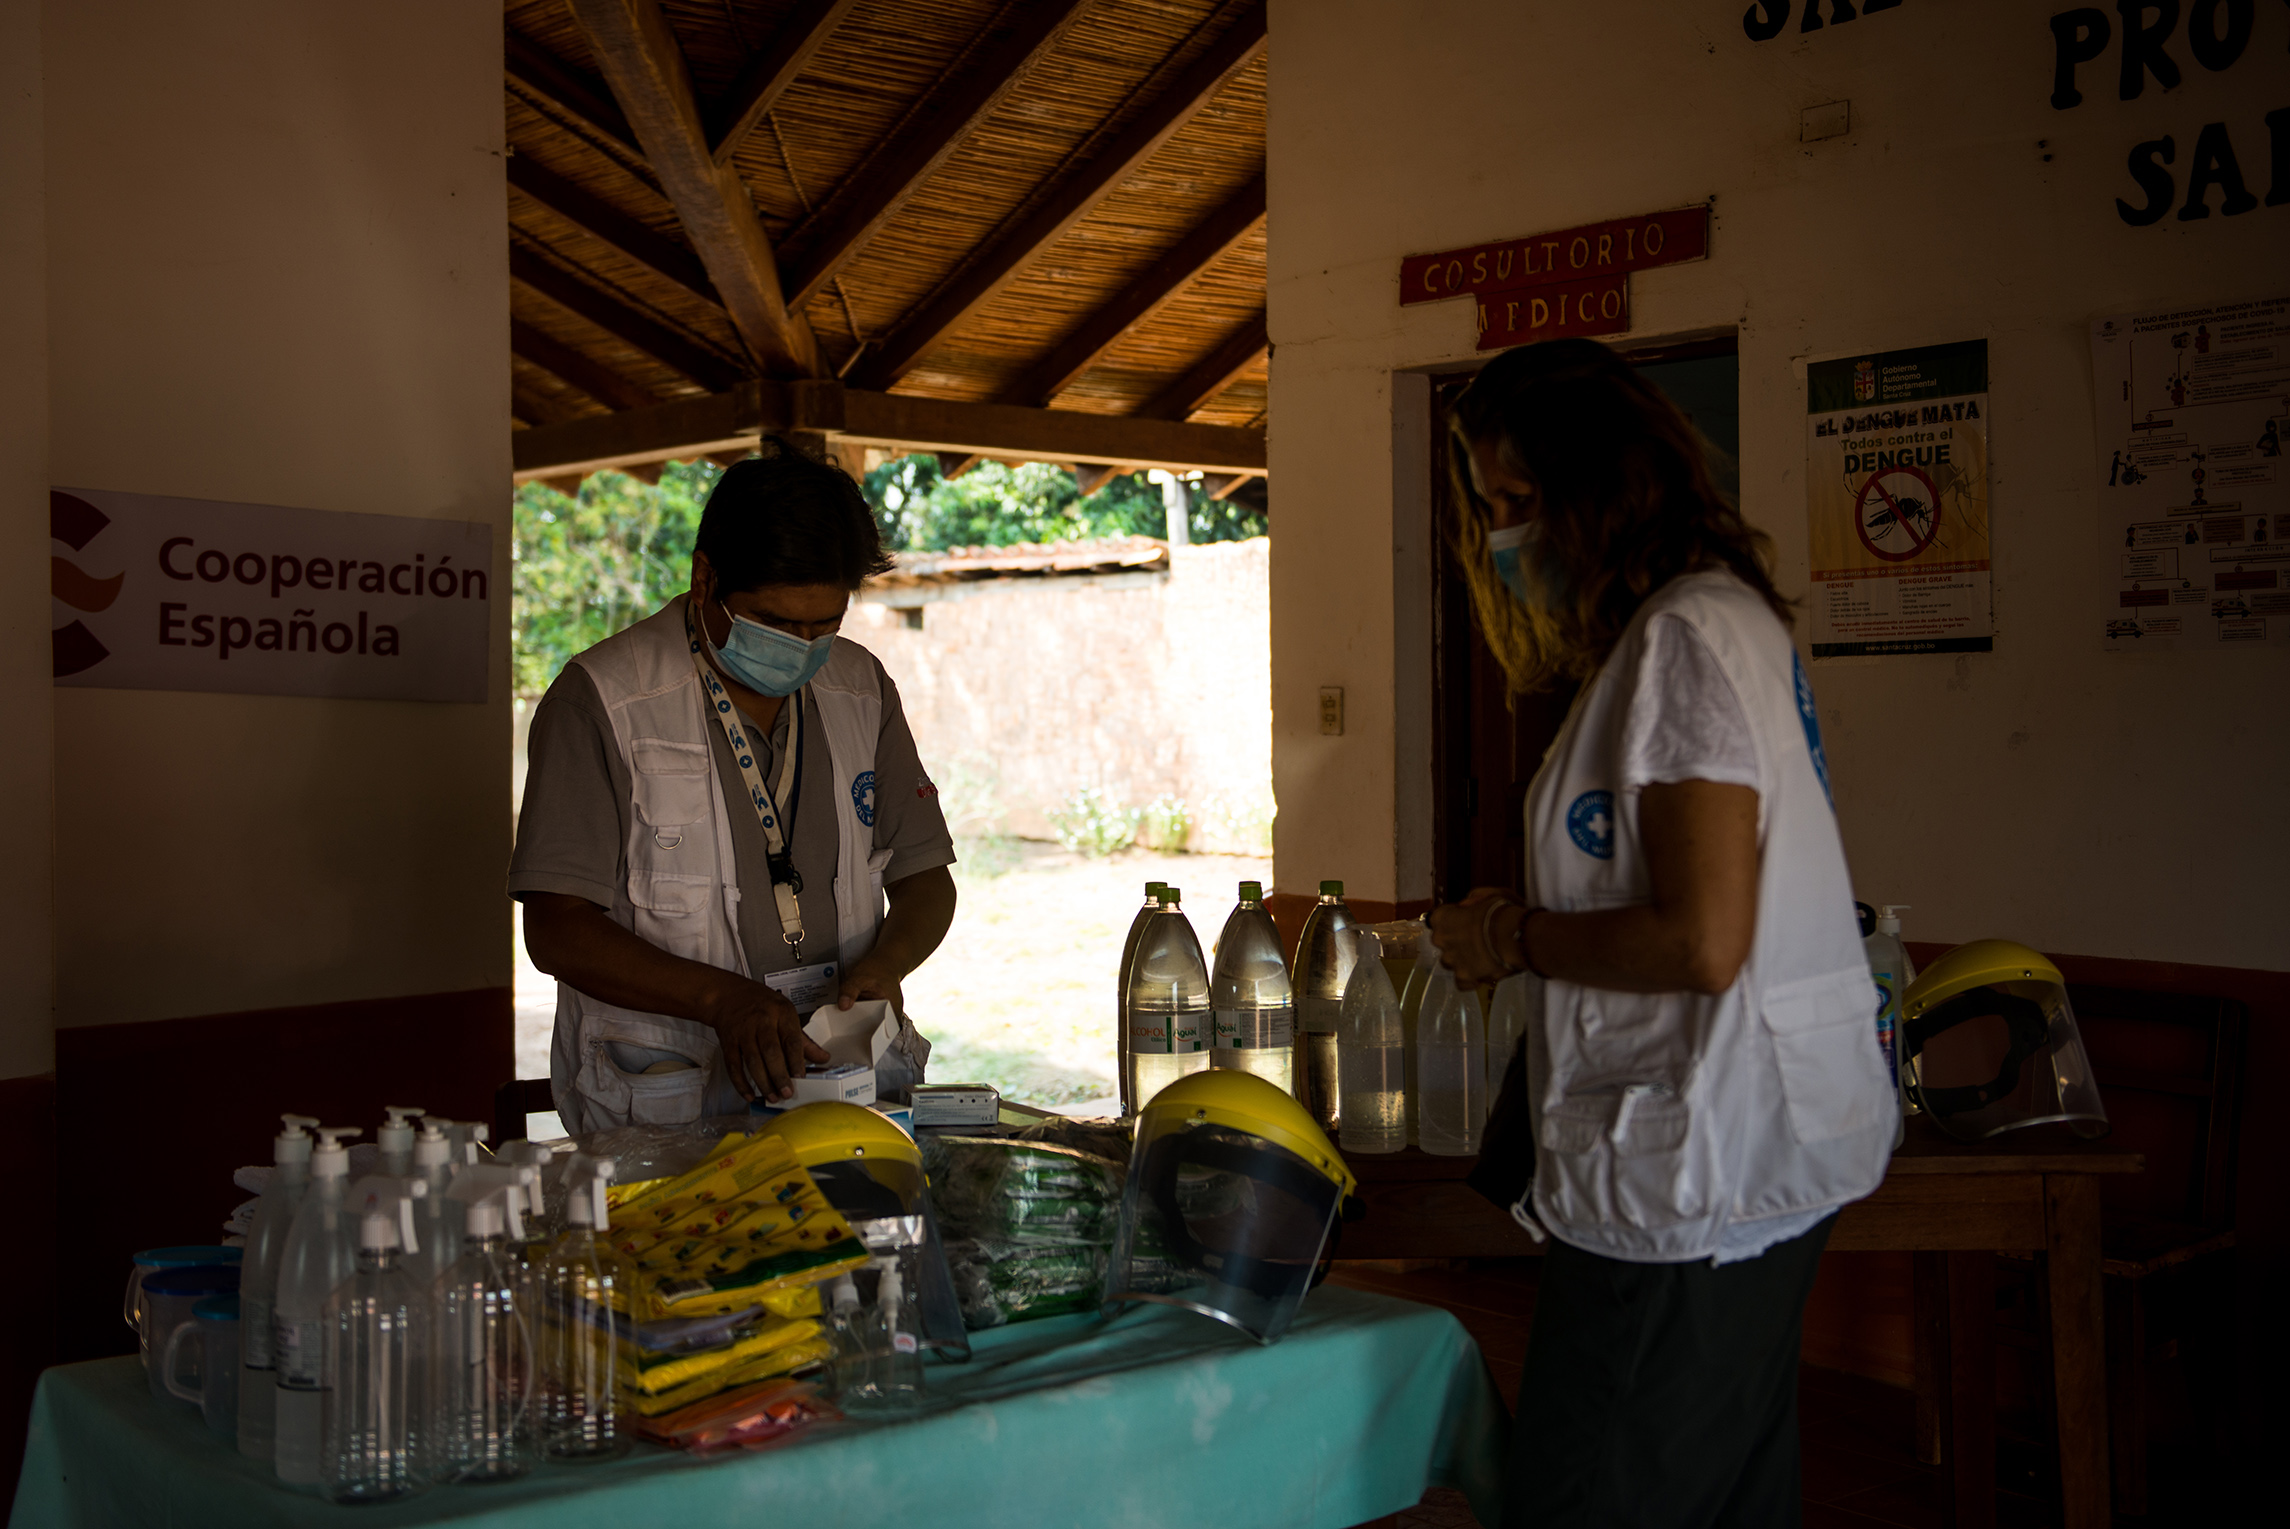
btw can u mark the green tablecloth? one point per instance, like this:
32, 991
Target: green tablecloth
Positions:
1160, 1417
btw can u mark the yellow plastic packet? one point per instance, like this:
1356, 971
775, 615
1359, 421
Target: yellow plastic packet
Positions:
739, 1164
694, 1293
754, 1218
776, 1362
653, 1374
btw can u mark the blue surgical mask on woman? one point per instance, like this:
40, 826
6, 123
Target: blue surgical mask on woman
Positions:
767, 660
1527, 575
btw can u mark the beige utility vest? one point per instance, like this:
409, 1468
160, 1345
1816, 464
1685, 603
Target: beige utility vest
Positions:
683, 879
1661, 1117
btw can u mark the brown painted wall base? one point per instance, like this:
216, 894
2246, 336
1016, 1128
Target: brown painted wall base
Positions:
153, 1118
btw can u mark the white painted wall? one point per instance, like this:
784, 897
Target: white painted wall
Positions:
277, 274
2083, 801
27, 763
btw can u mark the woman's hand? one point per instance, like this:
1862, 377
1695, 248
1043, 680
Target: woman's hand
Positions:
1469, 940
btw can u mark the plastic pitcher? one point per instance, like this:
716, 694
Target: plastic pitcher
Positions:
200, 1363
151, 1260
168, 1296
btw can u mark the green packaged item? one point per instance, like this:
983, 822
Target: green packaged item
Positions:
1028, 1225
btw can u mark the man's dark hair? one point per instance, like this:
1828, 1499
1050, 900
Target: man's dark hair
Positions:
786, 517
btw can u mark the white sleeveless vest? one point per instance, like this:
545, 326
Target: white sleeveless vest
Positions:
1661, 1117
683, 878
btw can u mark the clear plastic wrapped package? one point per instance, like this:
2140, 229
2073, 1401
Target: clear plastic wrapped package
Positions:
1027, 1224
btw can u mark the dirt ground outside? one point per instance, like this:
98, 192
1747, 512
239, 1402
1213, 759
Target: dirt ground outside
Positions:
1021, 994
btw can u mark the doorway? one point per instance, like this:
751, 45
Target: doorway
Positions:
1488, 744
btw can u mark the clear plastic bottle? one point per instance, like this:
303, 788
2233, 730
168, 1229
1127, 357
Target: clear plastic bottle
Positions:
1400, 944
1169, 1015
847, 1364
376, 1355
1371, 1058
894, 1347
258, 1285
1324, 956
1517, 1000
1892, 972
1451, 1045
318, 1256
1253, 1005
437, 1215
481, 1423
575, 1291
1122, 1062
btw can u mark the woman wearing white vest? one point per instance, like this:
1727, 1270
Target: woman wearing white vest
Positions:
717, 802
1702, 1086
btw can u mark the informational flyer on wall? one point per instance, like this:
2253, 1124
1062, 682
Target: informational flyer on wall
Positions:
1896, 485
2193, 409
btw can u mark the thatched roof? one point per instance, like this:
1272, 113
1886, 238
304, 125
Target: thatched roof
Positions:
1036, 203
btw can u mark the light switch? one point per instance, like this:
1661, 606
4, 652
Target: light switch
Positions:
1832, 120
1332, 711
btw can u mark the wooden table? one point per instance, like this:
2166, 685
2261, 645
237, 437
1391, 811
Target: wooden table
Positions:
2032, 1191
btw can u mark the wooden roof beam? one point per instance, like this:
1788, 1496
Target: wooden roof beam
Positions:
857, 210
582, 371
1067, 205
594, 216
573, 94
688, 427
1164, 279
653, 85
1212, 374
770, 72
622, 322
534, 409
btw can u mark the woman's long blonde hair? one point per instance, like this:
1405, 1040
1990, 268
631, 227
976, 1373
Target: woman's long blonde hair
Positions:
1625, 497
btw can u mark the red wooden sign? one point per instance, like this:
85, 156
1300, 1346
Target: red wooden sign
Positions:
1571, 254
1600, 305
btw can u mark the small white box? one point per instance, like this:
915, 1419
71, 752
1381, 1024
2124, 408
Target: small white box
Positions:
956, 1104
855, 1039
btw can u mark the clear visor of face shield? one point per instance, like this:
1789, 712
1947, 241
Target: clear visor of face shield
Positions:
887, 1203
2001, 1056
1223, 1223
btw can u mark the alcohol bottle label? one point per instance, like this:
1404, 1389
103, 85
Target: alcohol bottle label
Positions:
1164, 1034
1255, 1029
297, 1350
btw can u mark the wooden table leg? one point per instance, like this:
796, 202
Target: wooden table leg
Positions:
1972, 1389
1928, 1285
2078, 1353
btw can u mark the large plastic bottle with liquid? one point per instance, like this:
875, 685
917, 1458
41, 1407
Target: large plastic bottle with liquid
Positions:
894, 1348
1892, 972
846, 1323
1121, 1062
318, 1256
258, 1284
1324, 957
482, 1424
1518, 998
1250, 997
1451, 1068
377, 1354
1371, 1057
1169, 1017
575, 1291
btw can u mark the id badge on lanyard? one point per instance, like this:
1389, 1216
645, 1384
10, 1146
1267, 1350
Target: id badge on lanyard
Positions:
786, 880
806, 987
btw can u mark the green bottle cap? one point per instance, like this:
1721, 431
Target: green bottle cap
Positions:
1155, 888
1331, 889
1172, 895
1252, 891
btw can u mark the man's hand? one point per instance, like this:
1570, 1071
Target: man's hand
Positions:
1459, 931
765, 1048
868, 978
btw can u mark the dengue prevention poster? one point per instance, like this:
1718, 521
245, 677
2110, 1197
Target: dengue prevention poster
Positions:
2192, 407
1896, 488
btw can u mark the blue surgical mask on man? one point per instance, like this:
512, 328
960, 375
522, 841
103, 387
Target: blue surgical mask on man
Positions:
767, 660
1514, 549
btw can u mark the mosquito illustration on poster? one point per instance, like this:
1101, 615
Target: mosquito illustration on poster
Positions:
1898, 513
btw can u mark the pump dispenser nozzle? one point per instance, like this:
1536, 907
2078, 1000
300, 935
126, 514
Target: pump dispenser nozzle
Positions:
332, 1159
292, 1144
384, 1208
1888, 917
432, 1148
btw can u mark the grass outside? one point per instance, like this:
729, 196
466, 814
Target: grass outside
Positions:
1021, 994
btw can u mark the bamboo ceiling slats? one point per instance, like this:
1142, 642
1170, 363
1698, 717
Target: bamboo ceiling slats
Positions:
1050, 86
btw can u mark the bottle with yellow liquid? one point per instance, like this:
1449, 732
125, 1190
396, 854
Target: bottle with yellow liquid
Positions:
1324, 957
1250, 996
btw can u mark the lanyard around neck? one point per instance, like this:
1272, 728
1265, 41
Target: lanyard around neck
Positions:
786, 880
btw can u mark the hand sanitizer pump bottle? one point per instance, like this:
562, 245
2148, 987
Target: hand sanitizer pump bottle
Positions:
317, 1257
576, 1289
482, 1428
395, 1138
377, 1354
258, 1285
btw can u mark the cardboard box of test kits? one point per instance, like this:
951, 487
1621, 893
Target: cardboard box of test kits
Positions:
855, 1039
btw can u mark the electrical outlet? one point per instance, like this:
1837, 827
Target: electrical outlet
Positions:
1332, 711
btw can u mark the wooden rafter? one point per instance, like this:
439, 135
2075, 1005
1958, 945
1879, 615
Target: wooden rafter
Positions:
622, 322
770, 72
653, 85
534, 409
1212, 374
571, 93
1165, 278
581, 370
689, 427
595, 216
1068, 203
827, 240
